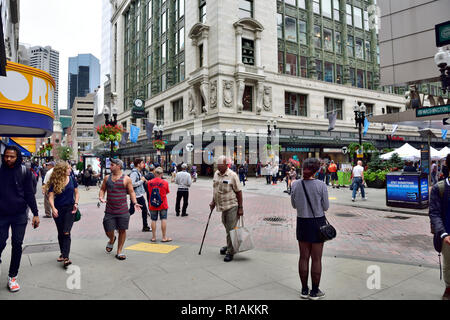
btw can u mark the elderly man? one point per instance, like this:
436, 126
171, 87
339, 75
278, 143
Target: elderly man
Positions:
117, 215
184, 181
227, 196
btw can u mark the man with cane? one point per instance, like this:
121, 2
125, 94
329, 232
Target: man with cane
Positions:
227, 196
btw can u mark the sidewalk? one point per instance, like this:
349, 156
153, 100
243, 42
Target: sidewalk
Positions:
183, 274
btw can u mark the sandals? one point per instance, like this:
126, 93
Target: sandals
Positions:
67, 263
60, 259
121, 256
167, 240
110, 246
153, 240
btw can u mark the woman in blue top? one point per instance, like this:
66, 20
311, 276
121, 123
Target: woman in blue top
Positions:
63, 197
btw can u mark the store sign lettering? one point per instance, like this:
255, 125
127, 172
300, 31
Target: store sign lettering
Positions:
289, 149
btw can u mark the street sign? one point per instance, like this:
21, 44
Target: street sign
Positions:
442, 33
189, 147
359, 153
344, 150
444, 122
138, 112
432, 111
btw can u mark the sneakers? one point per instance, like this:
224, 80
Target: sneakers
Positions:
316, 295
228, 258
304, 293
364, 199
184, 215
146, 229
446, 295
223, 250
13, 286
353, 199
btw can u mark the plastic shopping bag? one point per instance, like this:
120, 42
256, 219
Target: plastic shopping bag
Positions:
241, 238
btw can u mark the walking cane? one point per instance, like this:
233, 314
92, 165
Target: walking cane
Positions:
200, 252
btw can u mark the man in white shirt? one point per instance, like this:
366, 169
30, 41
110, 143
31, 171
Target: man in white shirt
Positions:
358, 180
184, 181
47, 206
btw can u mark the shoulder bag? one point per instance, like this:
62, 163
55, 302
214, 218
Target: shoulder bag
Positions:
327, 231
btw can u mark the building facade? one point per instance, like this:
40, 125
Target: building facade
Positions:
82, 130
10, 13
84, 77
234, 65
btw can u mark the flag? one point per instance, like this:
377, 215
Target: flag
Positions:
332, 121
134, 133
394, 128
366, 126
444, 134
125, 135
149, 129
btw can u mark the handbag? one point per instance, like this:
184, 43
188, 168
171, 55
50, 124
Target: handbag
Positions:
241, 238
327, 231
77, 215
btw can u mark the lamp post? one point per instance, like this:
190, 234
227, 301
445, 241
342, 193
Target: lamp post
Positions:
271, 127
158, 130
360, 115
112, 122
442, 60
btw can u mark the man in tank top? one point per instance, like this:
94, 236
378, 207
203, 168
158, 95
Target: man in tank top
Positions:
117, 217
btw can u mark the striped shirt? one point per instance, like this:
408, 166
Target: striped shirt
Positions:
116, 202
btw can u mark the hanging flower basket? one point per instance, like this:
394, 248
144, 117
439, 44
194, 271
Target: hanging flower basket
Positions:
48, 147
159, 144
108, 133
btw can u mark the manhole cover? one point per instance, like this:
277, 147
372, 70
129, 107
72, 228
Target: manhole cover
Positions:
39, 248
397, 217
274, 219
346, 215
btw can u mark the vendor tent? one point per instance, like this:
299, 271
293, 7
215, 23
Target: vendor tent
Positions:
435, 154
405, 152
444, 152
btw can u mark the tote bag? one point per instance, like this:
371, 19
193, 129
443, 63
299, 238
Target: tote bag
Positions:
241, 237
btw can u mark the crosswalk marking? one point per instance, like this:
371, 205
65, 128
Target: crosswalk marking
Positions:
151, 247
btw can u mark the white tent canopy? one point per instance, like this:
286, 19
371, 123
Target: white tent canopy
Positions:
405, 152
444, 152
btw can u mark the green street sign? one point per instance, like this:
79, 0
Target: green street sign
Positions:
432, 111
442, 32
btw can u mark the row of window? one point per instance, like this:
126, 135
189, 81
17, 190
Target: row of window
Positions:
245, 10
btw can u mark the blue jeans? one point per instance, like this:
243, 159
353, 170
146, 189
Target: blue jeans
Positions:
18, 226
357, 183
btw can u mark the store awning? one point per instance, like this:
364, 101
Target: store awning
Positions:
23, 151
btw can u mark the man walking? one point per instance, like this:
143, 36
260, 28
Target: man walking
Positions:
16, 194
158, 189
358, 180
227, 196
184, 181
138, 180
332, 168
117, 216
47, 206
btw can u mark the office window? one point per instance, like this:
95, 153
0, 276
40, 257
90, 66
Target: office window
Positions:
368, 57
280, 26
369, 80
303, 32
295, 104
149, 37
149, 9
291, 64
248, 51
245, 9
159, 113
328, 39
337, 42
181, 37
316, 6
390, 109
291, 2
357, 13
149, 64
247, 98
177, 110
163, 23
290, 31
301, 4
353, 76
317, 36
333, 106
326, 8
202, 11
149, 89
319, 70
181, 6
138, 23
366, 20
360, 78
303, 67
163, 82
339, 74
181, 71
200, 52
378, 54
350, 51
163, 53
336, 15
329, 72
359, 48
349, 14
280, 61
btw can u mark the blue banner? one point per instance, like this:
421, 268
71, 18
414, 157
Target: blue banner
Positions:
366, 126
134, 133
404, 188
444, 134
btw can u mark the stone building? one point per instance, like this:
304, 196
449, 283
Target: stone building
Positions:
82, 132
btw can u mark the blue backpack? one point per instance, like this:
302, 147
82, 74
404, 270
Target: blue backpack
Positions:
155, 198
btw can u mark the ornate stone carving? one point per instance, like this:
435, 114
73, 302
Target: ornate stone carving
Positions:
267, 98
259, 97
213, 95
204, 92
191, 101
227, 93
241, 88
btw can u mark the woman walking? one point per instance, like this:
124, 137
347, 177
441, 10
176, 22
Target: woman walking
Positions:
63, 197
309, 219
241, 172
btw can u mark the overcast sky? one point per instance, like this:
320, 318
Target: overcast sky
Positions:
71, 27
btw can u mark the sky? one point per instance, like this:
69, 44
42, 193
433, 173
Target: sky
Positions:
71, 27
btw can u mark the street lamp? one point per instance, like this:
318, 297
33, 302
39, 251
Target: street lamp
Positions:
360, 115
442, 60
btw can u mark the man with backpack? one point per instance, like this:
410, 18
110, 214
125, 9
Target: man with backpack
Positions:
138, 181
439, 212
158, 189
16, 194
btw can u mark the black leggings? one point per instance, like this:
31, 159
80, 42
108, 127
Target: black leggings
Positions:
64, 224
314, 251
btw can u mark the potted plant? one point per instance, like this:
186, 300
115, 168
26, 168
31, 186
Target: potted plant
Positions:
375, 176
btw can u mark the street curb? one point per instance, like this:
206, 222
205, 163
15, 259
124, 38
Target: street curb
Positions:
395, 210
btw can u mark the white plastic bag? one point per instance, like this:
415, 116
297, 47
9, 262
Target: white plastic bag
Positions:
241, 238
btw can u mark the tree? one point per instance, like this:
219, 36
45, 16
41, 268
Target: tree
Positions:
64, 152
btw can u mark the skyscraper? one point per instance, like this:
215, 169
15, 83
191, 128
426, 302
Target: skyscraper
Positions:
84, 76
46, 59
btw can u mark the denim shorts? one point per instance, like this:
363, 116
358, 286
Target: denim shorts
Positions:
162, 215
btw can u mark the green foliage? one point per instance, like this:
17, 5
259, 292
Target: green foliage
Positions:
64, 152
395, 161
80, 166
367, 148
372, 175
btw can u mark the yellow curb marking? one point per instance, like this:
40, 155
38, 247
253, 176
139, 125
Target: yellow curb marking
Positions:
150, 247
332, 198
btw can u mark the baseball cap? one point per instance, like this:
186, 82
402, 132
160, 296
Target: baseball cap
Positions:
184, 166
117, 162
51, 163
152, 167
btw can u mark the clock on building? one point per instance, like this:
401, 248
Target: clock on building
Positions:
138, 103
